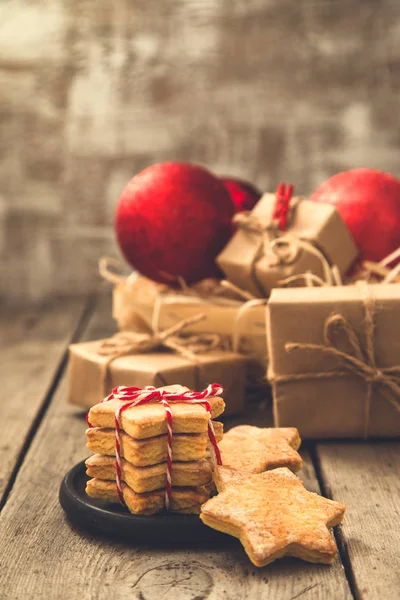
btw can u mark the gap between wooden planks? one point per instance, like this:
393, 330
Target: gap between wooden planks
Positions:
43, 556
366, 477
33, 345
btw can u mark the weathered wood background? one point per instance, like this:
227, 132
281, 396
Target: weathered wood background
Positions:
92, 91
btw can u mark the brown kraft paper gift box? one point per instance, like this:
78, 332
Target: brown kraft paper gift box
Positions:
134, 304
351, 389
86, 369
246, 265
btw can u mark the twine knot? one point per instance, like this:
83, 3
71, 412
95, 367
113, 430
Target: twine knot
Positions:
126, 343
376, 376
352, 356
276, 245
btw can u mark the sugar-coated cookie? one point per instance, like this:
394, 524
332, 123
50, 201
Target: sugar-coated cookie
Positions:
273, 515
147, 479
151, 451
149, 420
183, 500
258, 449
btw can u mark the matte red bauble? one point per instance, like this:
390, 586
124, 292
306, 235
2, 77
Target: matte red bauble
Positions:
369, 203
172, 221
244, 195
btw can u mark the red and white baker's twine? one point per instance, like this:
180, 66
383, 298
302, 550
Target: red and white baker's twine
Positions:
135, 396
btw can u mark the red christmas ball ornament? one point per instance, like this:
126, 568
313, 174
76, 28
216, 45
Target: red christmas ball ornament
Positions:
244, 195
369, 203
172, 221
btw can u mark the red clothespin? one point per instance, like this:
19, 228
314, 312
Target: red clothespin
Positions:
284, 194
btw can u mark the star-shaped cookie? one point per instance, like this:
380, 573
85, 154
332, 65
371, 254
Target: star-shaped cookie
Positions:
258, 449
273, 515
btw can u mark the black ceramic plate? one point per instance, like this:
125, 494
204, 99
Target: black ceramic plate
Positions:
116, 520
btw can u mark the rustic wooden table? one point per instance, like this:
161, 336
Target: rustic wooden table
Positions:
43, 557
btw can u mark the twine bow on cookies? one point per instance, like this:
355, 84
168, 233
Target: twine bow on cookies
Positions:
352, 356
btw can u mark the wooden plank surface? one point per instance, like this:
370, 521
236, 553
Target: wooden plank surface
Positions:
44, 556
32, 345
365, 476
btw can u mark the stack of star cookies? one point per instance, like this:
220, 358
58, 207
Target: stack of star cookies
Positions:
144, 449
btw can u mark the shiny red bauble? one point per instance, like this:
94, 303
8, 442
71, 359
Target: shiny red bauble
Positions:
244, 195
369, 203
172, 221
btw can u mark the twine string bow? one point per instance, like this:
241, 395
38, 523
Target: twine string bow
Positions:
353, 358
276, 244
135, 396
276, 248
127, 342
